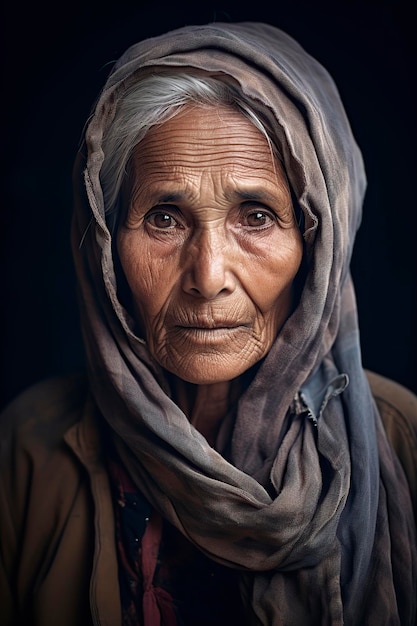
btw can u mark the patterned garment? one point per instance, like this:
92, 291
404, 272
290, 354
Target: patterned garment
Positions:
156, 561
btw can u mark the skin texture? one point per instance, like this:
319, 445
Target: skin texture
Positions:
210, 247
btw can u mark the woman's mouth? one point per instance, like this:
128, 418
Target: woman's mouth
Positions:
210, 333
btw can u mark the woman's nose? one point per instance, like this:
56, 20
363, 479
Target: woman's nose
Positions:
209, 266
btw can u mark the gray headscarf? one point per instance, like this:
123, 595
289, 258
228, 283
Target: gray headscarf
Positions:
333, 541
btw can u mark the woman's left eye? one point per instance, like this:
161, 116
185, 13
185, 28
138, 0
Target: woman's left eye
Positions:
257, 218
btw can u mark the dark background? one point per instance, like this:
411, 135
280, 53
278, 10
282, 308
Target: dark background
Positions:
54, 60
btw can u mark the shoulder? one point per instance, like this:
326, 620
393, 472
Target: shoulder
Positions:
397, 406
45, 410
48, 393
38, 471
32, 430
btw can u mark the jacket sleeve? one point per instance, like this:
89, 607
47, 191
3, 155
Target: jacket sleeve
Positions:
45, 511
398, 409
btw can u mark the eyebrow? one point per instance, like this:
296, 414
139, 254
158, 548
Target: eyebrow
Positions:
235, 195
258, 195
167, 198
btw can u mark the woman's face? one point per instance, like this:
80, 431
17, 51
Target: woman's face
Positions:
210, 247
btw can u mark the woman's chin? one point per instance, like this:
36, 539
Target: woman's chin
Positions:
207, 369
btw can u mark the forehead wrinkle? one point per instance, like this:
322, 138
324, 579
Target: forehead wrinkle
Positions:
176, 165
183, 155
186, 138
177, 188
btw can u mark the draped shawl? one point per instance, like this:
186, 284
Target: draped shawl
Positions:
333, 540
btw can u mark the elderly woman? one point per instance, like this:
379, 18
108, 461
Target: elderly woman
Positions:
227, 460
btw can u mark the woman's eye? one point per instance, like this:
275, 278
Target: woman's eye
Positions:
161, 220
257, 218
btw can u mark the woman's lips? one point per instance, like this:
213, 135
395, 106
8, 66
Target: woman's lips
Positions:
210, 333
211, 326
211, 322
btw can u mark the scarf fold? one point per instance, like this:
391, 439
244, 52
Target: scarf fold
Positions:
333, 541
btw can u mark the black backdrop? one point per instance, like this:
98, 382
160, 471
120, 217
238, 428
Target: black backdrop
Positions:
54, 60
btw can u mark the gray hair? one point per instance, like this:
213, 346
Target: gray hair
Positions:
153, 100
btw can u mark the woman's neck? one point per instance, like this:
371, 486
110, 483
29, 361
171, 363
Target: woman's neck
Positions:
204, 405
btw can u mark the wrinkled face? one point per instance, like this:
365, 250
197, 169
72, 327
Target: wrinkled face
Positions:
210, 247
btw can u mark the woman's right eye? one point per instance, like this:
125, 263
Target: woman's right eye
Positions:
161, 219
